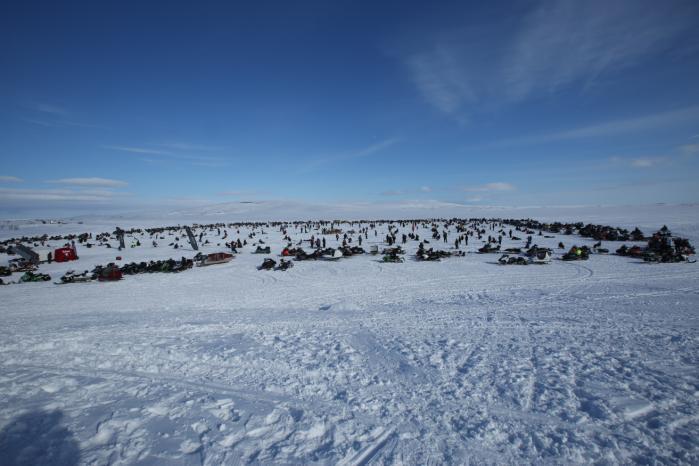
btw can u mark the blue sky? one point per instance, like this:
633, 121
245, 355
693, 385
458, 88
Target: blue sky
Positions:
109, 106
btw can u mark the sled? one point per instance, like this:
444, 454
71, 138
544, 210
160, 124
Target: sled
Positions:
337, 255
215, 258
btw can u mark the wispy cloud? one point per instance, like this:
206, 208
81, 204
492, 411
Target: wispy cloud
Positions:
440, 77
10, 179
632, 125
629, 125
568, 41
490, 187
673, 157
393, 192
182, 146
137, 150
647, 162
407, 191
348, 156
93, 181
240, 193
58, 123
367, 151
52, 116
689, 149
51, 109
48, 195
557, 45
177, 151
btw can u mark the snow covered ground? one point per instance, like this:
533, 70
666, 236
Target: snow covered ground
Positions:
357, 361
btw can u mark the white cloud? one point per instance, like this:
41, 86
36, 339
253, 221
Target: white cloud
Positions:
643, 163
52, 116
370, 150
238, 193
568, 41
51, 109
182, 146
346, 156
48, 124
439, 77
174, 154
137, 150
406, 191
559, 44
689, 149
496, 186
94, 181
632, 125
393, 192
10, 179
48, 195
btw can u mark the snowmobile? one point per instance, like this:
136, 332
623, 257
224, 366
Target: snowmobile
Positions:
301, 255
535, 251
72, 277
576, 253
426, 256
331, 255
110, 273
506, 259
489, 249
637, 235
261, 250
393, 251
267, 264
392, 258
542, 257
352, 250
284, 265
30, 276
666, 258
430, 255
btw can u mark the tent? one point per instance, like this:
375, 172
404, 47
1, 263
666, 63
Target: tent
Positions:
64, 255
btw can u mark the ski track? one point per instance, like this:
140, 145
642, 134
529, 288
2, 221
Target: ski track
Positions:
359, 362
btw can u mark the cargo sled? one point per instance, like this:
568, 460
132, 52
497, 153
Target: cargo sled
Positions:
215, 258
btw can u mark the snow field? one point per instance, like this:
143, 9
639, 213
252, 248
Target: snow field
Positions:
356, 362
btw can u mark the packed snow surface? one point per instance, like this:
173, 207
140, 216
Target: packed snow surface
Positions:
355, 361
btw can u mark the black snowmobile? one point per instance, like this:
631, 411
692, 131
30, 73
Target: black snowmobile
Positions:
506, 259
284, 265
267, 264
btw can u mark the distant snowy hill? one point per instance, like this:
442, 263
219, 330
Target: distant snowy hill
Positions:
647, 217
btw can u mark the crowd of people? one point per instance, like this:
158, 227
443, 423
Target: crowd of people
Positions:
333, 240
